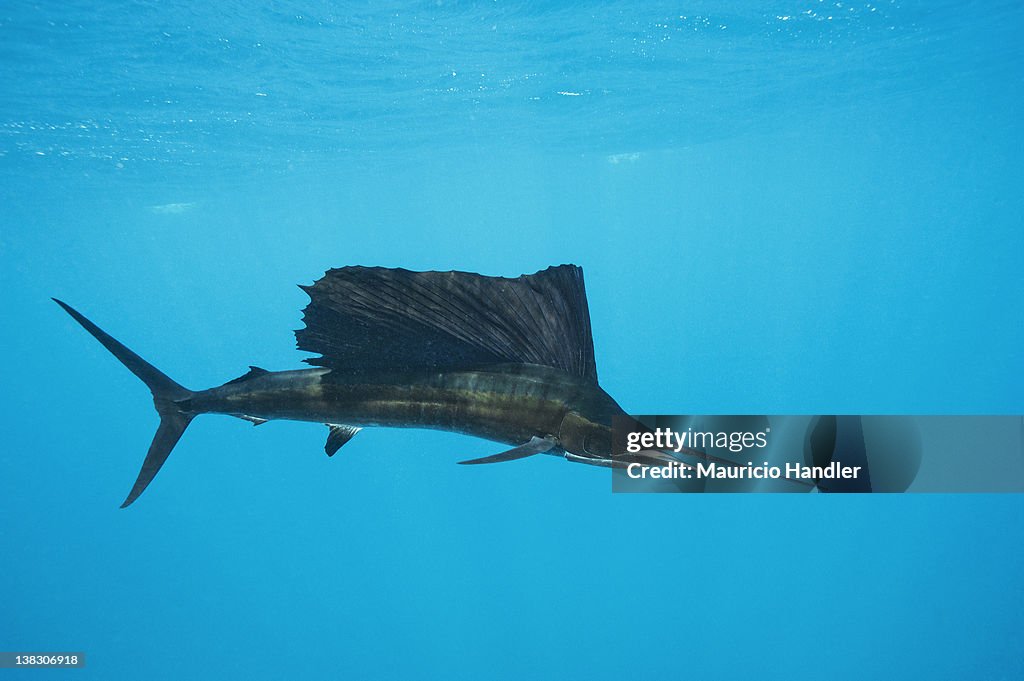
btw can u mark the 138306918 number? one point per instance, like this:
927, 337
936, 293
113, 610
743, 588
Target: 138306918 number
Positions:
34, 659
46, 659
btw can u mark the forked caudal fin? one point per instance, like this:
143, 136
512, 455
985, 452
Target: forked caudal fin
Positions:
166, 395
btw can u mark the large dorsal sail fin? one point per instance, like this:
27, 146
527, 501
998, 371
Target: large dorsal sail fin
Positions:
364, 318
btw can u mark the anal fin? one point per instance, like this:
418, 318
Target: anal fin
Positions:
254, 420
338, 436
536, 445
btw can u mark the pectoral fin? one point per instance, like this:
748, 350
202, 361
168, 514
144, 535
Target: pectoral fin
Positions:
338, 436
536, 445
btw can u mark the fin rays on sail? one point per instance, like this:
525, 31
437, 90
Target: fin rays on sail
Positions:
364, 318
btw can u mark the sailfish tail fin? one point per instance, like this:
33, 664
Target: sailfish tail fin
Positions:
169, 398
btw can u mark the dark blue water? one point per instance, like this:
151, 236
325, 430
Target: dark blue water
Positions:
810, 207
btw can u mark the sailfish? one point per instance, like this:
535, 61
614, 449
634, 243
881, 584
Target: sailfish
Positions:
506, 359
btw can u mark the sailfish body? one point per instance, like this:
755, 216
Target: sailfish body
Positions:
506, 359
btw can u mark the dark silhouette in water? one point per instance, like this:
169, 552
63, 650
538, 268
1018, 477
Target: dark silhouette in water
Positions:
510, 360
